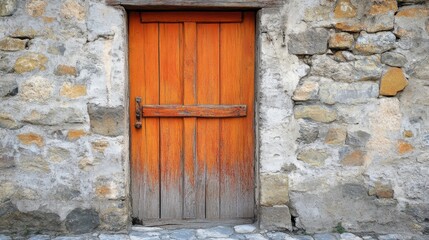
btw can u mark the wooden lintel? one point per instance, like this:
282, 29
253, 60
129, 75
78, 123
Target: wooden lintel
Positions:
203, 111
195, 4
185, 16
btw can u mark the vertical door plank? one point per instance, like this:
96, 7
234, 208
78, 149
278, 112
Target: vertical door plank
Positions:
151, 126
189, 53
171, 130
208, 129
246, 166
136, 72
231, 129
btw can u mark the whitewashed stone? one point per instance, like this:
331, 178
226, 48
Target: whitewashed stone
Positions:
247, 228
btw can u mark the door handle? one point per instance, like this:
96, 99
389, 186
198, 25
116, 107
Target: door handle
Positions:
138, 123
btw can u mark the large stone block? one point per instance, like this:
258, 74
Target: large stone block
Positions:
348, 93
274, 189
81, 221
275, 218
313, 41
374, 43
108, 121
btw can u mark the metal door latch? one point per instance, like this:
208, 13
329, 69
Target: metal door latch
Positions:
138, 123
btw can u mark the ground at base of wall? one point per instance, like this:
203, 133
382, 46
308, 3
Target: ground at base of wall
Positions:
238, 232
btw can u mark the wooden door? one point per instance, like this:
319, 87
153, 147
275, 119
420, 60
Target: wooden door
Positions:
192, 85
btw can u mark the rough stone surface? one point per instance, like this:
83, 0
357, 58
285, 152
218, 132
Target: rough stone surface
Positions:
247, 228
331, 93
345, 9
274, 189
72, 91
8, 87
393, 59
393, 82
106, 121
30, 62
336, 136
374, 43
7, 7
307, 91
314, 41
316, 113
354, 158
62, 70
313, 157
216, 232
82, 220
341, 41
274, 218
12, 44
36, 89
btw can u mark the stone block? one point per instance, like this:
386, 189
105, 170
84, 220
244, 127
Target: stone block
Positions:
341, 40
31, 163
393, 59
215, 232
8, 122
36, 89
353, 157
313, 41
31, 138
313, 157
72, 91
275, 218
30, 62
36, 8
348, 93
80, 221
57, 116
274, 189
336, 136
413, 12
307, 91
63, 70
73, 9
392, 82
381, 191
420, 69
12, 44
308, 133
345, 9
8, 86
7, 7
316, 113
108, 121
357, 138
75, 134
374, 43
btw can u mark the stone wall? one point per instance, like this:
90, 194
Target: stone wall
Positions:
342, 120
344, 116
63, 123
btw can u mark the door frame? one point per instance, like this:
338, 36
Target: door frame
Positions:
200, 5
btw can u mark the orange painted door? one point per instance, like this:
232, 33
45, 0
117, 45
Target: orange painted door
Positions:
192, 115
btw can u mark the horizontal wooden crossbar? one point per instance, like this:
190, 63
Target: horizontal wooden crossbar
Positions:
203, 111
207, 17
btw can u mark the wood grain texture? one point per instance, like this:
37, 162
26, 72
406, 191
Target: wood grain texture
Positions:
205, 17
202, 111
189, 132
208, 129
194, 4
171, 130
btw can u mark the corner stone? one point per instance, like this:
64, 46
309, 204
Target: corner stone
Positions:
313, 41
108, 121
275, 218
274, 189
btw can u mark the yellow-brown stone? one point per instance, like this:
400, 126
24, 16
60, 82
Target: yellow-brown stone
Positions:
12, 44
100, 145
383, 6
392, 82
65, 70
341, 40
382, 191
30, 62
404, 147
73, 9
36, 8
413, 12
31, 138
344, 9
72, 91
336, 136
75, 134
349, 27
355, 158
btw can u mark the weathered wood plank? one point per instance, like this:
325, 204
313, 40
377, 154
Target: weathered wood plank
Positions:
184, 16
171, 134
189, 132
191, 4
206, 111
208, 129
